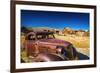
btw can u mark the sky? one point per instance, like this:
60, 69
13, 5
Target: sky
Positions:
57, 20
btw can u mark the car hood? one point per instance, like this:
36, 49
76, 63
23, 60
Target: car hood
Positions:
54, 42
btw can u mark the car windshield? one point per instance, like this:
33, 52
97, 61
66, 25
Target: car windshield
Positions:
45, 36
31, 37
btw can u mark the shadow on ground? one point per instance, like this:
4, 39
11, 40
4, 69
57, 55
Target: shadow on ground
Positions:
82, 56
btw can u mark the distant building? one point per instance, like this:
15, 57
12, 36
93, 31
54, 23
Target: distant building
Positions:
69, 31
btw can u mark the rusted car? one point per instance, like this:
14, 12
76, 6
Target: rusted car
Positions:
42, 46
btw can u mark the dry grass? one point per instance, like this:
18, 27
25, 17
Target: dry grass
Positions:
77, 41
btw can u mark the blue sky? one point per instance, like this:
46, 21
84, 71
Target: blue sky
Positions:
58, 20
